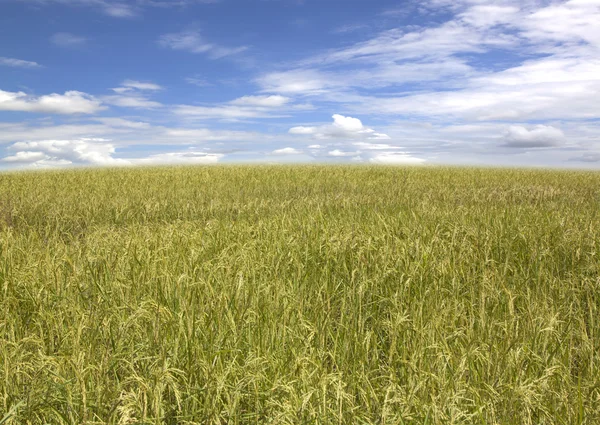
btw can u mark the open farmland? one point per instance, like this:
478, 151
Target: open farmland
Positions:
300, 295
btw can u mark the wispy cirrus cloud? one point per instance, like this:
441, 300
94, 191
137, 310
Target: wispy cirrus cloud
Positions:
435, 71
68, 40
18, 63
123, 8
192, 41
132, 94
244, 107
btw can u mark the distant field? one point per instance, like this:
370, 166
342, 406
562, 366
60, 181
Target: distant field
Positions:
300, 295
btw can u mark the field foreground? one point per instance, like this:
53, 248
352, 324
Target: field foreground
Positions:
300, 295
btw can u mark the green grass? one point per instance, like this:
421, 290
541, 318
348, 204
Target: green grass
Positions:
300, 295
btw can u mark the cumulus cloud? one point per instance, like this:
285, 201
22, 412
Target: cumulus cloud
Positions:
85, 151
193, 42
540, 136
340, 153
287, 151
303, 130
93, 151
347, 138
396, 158
72, 102
65, 39
25, 157
342, 128
18, 63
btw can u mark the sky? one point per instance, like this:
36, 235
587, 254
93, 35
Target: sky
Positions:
415, 82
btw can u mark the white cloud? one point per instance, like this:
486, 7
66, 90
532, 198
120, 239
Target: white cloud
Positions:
123, 123
129, 95
93, 151
204, 135
191, 41
554, 73
226, 112
18, 63
138, 85
65, 39
241, 108
396, 158
342, 128
33, 131
132, 86
303, 130
181, 158
133, 101
489, 15
122, 8
540, 136
265, 101
571, 21
119, 10
287, 151
125, 132
294, 81
63, 152
372, 74
348, 123
373, 146
340, 153
25, 157
591, 157
197, 81
72, 102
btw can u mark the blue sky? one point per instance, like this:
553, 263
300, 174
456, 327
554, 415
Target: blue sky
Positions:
103, 82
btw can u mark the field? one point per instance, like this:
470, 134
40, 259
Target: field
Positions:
300, 295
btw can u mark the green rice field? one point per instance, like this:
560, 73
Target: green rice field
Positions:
300, 295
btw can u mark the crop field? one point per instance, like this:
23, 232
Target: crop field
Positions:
300, 295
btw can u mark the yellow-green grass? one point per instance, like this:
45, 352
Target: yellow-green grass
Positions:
300, 295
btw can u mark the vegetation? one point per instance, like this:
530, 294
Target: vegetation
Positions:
300, 295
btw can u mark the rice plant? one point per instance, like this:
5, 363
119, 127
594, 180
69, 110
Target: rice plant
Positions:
300, 295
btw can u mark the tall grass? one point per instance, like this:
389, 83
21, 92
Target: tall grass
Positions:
300, 295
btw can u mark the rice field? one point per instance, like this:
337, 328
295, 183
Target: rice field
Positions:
300, 295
